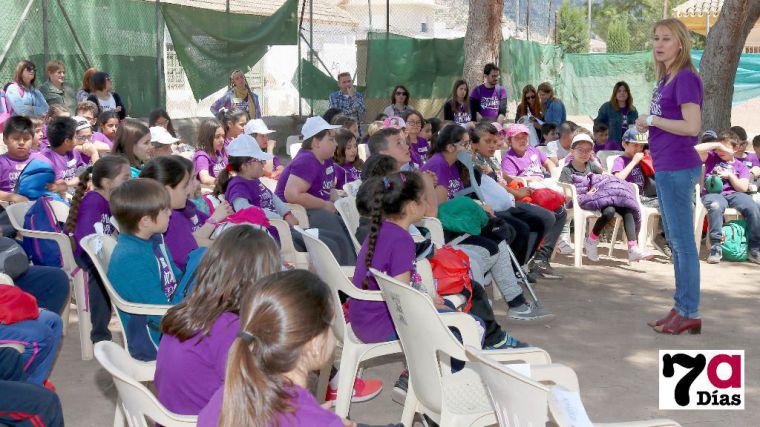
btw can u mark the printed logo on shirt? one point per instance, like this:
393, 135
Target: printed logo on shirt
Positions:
701, 379
104, 226
489, 103
654, 107
454, 187
265, 198
217, 169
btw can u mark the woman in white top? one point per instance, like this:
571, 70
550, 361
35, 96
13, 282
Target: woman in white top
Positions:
101, 95
399, 102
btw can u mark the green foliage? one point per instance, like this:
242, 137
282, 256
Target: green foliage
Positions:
640, 15
698, 41
618, 38
572, 29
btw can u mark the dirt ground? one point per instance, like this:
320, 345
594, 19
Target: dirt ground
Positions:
600, 331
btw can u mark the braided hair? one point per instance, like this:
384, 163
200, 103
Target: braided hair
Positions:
380, 198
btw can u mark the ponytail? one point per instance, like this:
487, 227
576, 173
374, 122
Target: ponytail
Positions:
106, 167
375, 222
234, 164
84, 183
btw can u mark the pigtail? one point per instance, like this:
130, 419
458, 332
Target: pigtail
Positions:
84, 183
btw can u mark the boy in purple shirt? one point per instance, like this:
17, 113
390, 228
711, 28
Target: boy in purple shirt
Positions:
17, 135
720, 162
489, 100
61, 155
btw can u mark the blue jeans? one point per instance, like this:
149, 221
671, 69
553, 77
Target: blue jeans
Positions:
40, 338
675, 192
716, 205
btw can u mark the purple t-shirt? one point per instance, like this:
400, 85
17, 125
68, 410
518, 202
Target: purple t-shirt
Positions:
714, 164
307, 411
346, 173
93, 217
197, 217
637, 174
448, 175
252, 190
528, 165
750, 160
489, 100
179, 237
394, 255
10, 169
421, 147
674, 152
305, 165
97, 136
67, 166
205, 358
202, 161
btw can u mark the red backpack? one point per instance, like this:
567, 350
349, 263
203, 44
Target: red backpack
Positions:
16, 305
451, 269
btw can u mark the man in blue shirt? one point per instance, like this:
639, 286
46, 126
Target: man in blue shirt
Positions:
348, 100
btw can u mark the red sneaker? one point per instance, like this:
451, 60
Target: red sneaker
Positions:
364, 390
48, 385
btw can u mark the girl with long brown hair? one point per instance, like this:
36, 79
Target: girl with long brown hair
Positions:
457, 109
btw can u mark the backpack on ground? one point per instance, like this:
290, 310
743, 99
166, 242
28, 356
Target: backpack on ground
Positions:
734, 245
41, 217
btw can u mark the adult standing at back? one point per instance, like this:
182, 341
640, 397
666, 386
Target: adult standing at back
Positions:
674, 122
489, 99
348, 100
21, 94
106, 100
52, 90
239, 96
554, 109
399, 102
618, 114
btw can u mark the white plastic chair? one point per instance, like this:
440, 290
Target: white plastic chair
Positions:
449, 399
288, 250
522, 401
604, 155
611, 161
354, 350
300, 213
352, 188
581, 218
700, 213
137, 402
77, 276
648, 224
292, 140
363, 151
346, 207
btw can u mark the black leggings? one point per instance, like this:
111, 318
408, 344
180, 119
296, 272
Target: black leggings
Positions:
629, 223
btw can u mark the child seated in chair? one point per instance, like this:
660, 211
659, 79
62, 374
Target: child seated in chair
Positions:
141, 269
726, 182
17, 135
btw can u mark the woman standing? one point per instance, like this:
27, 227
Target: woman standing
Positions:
52, 90
399, 102
239, 96
554, 109
103, 97
674, 123
22, 96
618, 114
457, 109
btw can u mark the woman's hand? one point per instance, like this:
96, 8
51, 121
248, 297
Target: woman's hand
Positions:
641, 123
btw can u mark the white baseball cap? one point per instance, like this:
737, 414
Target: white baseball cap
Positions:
581, 137
161, 136
315, 125
82, 123
256, 126
245, 146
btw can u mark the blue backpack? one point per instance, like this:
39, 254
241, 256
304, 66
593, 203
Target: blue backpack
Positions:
41, 217
33, 181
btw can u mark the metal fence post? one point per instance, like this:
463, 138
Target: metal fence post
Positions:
45, 40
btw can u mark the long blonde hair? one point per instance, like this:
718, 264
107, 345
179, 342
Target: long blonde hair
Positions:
683, 58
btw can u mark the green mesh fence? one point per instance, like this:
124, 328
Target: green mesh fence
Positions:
209, 44
528, 63
117, 36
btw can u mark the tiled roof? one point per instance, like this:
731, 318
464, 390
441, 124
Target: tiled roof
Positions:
698, 8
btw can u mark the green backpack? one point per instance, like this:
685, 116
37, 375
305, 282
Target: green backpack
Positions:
462, 215
734, 244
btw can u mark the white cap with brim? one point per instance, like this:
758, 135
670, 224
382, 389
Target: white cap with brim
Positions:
581, 137
256, 126
82, 123
315, 125
160, 135
632, 135
245, 146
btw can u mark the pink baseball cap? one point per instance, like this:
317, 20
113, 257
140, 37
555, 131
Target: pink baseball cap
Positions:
516, 129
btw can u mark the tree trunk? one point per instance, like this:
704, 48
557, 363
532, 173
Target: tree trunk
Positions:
720, 60
481, 41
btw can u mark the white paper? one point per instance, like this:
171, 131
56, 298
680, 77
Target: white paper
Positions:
569, 402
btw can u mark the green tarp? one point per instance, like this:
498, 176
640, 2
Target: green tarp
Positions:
747, 82
117, 36
210, 44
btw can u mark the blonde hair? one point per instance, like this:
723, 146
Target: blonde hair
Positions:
374, 127
683, 58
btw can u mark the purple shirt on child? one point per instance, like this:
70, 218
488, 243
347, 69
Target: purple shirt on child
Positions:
66, 166
93, 217
489, 100
10, 169
421, 147
205, 358
252, 190
448, 175
320, 176
528, 165
202, 161
346, 173
750, 160
672, 152
197, 217
97, 136
307, 411
394, 255
714, 164
179, 237
637, 174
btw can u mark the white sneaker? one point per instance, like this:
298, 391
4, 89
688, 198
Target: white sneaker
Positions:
564, 247
592, 252
635, 253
